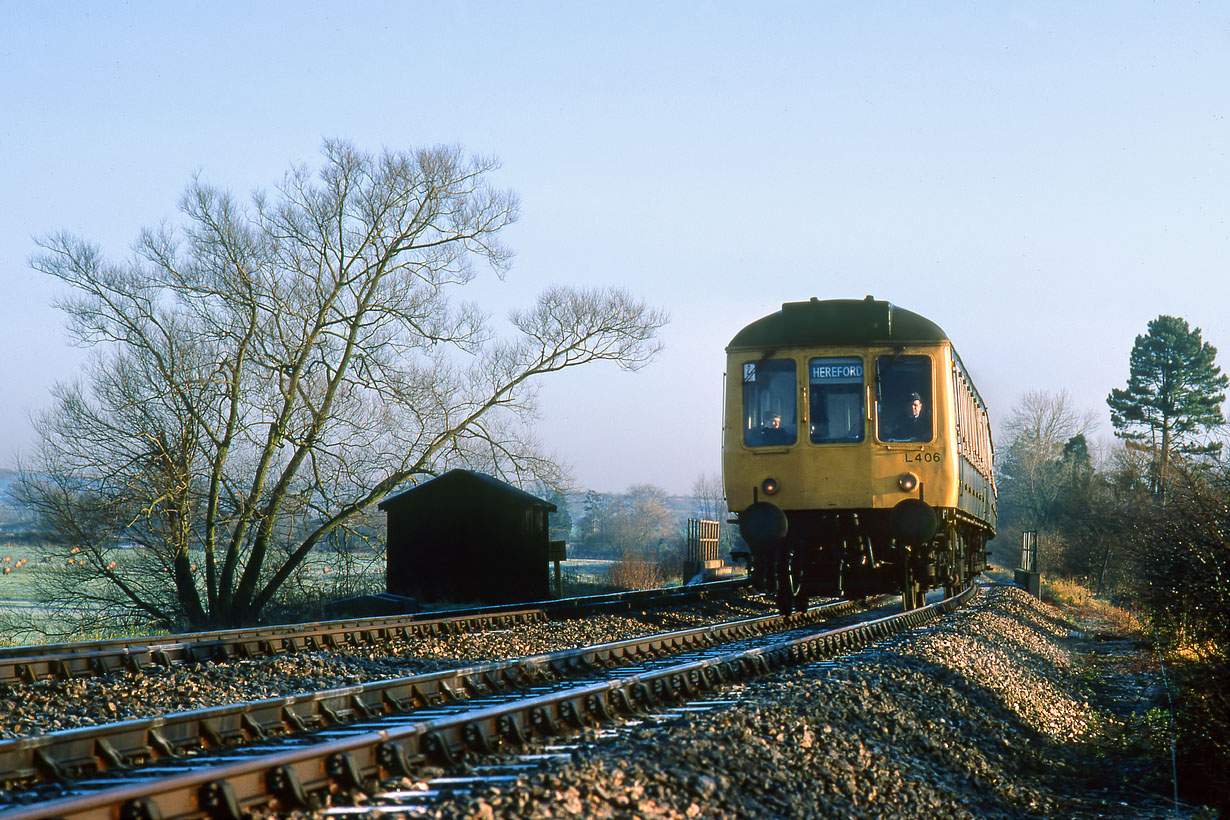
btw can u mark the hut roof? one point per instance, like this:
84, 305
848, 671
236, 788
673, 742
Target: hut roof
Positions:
464, 481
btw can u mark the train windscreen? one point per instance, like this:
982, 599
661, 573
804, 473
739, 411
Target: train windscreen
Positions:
904, 398
769, 411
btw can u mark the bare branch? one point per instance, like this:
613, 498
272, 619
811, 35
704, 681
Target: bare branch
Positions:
262, 373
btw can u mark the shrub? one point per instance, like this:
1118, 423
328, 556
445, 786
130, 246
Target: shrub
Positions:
635, 571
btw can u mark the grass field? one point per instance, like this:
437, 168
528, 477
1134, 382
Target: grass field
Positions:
22, 564
22, 622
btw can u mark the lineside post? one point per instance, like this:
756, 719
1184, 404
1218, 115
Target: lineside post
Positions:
1027, 576
557, 551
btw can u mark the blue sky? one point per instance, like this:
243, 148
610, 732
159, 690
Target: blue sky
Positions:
1040, 179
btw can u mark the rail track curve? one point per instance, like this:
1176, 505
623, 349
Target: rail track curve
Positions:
339, 769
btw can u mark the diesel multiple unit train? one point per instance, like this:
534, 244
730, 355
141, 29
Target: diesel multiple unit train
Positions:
856, 454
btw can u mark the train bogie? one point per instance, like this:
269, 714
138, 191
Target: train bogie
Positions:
856, 453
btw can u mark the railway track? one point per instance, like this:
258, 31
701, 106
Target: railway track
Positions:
27, 664
65, 756
481, 709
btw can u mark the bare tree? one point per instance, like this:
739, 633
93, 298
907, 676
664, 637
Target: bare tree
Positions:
644, 536
269, 371
640, 521
709, 498
1036, 432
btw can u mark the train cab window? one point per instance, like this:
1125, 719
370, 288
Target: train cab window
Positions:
903, 403
770, 417
835, 400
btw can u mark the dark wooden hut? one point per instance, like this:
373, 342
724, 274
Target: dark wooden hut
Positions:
465, 536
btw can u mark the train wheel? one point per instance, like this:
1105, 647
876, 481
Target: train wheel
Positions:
789, 583
958, 549
911, 590
958, 584
914, 597
785, 595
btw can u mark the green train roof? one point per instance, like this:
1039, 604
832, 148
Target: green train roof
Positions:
837, 322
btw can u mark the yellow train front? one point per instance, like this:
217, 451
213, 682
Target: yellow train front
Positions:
856, 454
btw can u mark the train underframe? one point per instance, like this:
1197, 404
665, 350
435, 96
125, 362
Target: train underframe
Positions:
856, 553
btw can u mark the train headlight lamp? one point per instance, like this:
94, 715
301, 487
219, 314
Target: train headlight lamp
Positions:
769, 485
908, 482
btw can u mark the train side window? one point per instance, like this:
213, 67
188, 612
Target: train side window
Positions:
960, 400
835, 400
904, 401
971, 420
770, 416
964, 419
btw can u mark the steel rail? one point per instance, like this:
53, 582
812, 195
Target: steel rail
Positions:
28, 664
170, 651
71, 754
256, 633
295, 780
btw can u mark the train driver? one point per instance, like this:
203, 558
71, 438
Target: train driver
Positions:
772, 431
915, 423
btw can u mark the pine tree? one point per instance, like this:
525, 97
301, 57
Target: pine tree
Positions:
1174, 393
